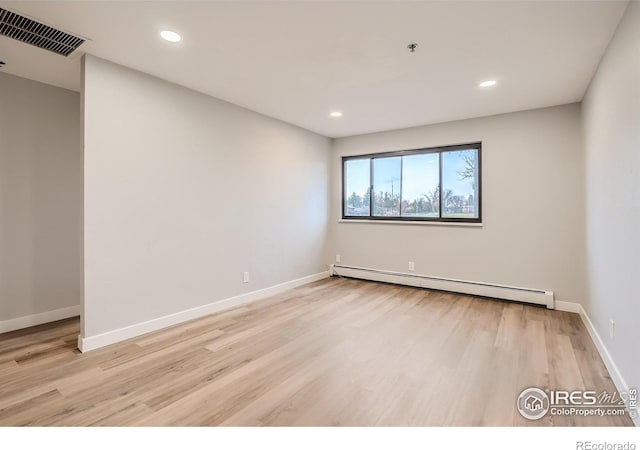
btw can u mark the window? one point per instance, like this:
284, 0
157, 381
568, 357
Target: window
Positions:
407, 185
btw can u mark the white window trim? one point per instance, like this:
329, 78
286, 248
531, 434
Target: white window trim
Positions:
413, 223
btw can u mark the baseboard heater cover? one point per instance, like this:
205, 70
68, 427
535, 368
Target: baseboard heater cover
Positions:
526, 295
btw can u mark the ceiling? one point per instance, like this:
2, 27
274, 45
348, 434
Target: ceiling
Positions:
299, 60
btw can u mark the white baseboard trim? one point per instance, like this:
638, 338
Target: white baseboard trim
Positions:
616, 376
520, 294
38, 319
569, 307
88, 343
615, 373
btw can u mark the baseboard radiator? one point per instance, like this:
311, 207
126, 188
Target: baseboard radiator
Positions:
526, 295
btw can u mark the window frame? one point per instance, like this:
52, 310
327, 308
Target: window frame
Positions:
441, 149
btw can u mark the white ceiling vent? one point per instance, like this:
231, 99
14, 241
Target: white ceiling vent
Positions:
35, 33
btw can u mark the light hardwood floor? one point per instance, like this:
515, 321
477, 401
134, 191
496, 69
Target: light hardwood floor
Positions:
334, 352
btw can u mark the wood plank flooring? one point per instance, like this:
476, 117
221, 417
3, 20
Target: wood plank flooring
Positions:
334, 352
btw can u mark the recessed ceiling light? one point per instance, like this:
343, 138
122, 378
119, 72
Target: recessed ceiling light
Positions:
170, 36
336, 114
488, 83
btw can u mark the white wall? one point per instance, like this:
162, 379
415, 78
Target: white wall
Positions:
611, 129
184, 192
533, 202
40, 200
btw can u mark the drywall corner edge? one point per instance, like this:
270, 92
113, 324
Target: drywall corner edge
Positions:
89, 343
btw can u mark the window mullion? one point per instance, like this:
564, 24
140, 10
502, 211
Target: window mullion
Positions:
371, 196
400, 202
440, 185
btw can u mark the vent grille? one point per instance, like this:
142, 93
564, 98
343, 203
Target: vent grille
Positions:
35, 33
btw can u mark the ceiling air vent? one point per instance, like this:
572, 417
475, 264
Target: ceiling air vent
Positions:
35, 33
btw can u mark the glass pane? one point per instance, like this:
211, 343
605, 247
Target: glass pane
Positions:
420, 185
386, 186
460, 184
357, 187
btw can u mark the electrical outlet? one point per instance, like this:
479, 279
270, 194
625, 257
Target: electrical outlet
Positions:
338, 258
412, 266
612, 330
245, 277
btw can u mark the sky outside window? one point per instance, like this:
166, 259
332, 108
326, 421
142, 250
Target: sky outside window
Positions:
386, 186
420, 181
357, 172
